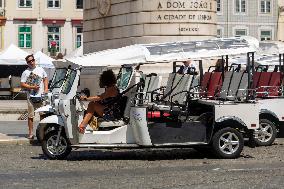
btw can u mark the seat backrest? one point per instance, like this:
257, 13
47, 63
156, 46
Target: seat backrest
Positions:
185, 83
152, 82
226, 85
235, 84
263, 82
131, 94
195, 81
205, 80
256, 77
170, 82
214, 83
174, 80
275, 79
264, 79
243, 85
238, 86
274, 82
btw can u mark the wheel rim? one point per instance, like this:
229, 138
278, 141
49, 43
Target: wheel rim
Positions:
265, 132
229, 143
56, 150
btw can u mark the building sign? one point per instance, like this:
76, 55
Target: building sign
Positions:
182, 16
203, 5
111, 23
185, 13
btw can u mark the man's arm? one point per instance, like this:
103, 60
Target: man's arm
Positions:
29, 87
91, 98
45, 83
95, 98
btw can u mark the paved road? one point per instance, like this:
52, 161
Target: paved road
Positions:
24, 166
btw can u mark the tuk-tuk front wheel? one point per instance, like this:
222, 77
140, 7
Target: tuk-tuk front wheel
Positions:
228, 143
46, 130
54, 150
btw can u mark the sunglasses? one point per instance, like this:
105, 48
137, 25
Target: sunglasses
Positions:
32, 60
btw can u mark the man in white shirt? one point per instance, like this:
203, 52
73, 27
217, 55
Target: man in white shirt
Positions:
34, 81
187, 68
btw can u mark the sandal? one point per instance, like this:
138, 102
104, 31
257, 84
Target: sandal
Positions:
31, 137
81, 129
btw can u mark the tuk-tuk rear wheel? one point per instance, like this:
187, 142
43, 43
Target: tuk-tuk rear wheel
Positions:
49, 148
227, 143
266, 133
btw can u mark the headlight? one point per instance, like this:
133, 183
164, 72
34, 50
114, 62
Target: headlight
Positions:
45, 99
56, 105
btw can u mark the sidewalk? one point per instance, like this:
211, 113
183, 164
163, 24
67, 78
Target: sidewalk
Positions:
13, 131
12, 109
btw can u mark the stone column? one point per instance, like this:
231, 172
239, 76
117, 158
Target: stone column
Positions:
117, 23
280, 32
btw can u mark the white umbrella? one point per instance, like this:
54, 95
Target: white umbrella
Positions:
45, 62
77, 52
13, 55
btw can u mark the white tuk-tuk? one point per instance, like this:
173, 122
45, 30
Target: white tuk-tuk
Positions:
266, 86
170, 120
268, 83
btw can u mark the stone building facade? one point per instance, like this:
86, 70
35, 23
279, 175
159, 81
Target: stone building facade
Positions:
117, 23
280, 33
33, 24
257, 18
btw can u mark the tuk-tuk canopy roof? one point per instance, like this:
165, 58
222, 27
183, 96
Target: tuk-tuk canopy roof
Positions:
269, 52
271, 47
268, 60
167, 52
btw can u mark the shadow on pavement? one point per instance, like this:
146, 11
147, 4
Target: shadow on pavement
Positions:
35, 142
18, 135
137, 154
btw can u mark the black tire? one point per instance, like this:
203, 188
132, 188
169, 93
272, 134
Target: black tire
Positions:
227, 143
267, 133
51, 151
46, 130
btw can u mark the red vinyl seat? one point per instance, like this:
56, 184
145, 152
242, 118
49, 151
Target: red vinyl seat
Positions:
210, 83
256, 77
214, 84
263, 82
274, 84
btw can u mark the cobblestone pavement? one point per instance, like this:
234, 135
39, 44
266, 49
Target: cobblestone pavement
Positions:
24, 166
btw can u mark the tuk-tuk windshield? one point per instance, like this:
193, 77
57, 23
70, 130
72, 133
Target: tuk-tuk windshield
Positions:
58, 78
69, 81
123, 77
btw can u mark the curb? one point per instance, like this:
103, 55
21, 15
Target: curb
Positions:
15, 141
19, 111
5, 139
